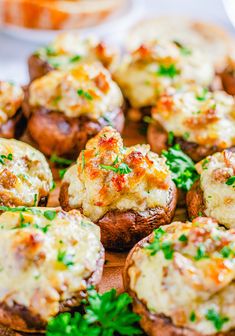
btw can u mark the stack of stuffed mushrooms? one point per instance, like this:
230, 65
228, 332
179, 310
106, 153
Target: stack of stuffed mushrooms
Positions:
178, 78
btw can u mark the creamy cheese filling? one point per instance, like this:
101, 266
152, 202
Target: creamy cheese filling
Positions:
188, 275
25, 176
108, 176
85, 90
11, 97
69, 49
216, 181
156, 66
206, 118
46, 257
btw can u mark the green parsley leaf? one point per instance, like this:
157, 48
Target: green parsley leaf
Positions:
182, 168
203, 95
64, 258
50, 214
170, 138
75, 58
201, 253
84, 94
230, 180
148, 120
62, 172
23, 224
216, 319
44, 229
205, 164
226, 252
108, 120
4, 157
183, 238
167, 250
167, 71
60, 161
53, 186
122, 169
192, 316
156, 245
35, 200
186, 136
184, 50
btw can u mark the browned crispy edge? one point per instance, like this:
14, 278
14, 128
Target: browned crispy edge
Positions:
155, 324
21, 318
121, 230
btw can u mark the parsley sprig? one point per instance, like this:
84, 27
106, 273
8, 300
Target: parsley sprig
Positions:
182, 168
105, 315
230, 180
216, 319
5, 157
167, 71
122, 169
61, 162
48, 214
157, 245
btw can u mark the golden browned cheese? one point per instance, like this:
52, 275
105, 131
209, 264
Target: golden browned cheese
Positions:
109, 176
25, 176
186, 272
46, 256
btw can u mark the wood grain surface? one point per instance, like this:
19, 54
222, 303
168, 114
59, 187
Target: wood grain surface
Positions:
114, 262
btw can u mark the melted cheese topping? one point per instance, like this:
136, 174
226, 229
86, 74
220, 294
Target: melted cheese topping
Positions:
108, 176
25, 176
206, 118
11, 97
195, 281
69, 49
156, 66
85, 90
44, 262
219, 197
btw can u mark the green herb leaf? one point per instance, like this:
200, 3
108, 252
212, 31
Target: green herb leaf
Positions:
62, 172
171, 137
182, 168
64, 258
35, 200
60, 161
167, 249
83, 160
201, 253
226, 252
4, 157
75, 58
202, 97
53, 186
50, 214
167, 71
122, 169
192, 316
216, 319
108, 120
183, 238
156, 245
184, 50
84, 94
230, 180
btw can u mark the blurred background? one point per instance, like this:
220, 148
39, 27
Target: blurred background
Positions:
27, 24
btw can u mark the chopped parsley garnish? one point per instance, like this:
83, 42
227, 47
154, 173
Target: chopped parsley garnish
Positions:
35, 199
64, 258
53, 185
23, 224
108, 120
167, 71
170, 138
62, 172
44, 229
5, 157
148, 120
203, 95
56, 100
186, 136
216, 319
230, 180
122, 169
205, 164
49, 214
192, 316
184, 50
226, 252
183, 238
201, 253
156, 245
182, 168
75, 58
60, 161
84, 94
50, 50
105, 314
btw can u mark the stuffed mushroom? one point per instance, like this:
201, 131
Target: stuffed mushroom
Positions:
127, 191
155, 66
66, 108
213, 194
182, 280
12, 123
201, 122
48, 260
25, 176
68, 50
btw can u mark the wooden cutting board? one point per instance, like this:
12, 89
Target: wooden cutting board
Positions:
114, 262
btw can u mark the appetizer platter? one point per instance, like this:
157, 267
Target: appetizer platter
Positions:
117, 186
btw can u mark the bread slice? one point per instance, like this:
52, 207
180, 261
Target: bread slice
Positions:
212, 39
57, 14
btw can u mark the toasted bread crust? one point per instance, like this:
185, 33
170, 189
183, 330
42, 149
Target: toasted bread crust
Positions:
121, 230
20, 318
156, 324
158, 138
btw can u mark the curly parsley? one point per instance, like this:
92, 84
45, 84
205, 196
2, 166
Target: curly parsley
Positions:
157, 245
182, 168
105, 315
216, 319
